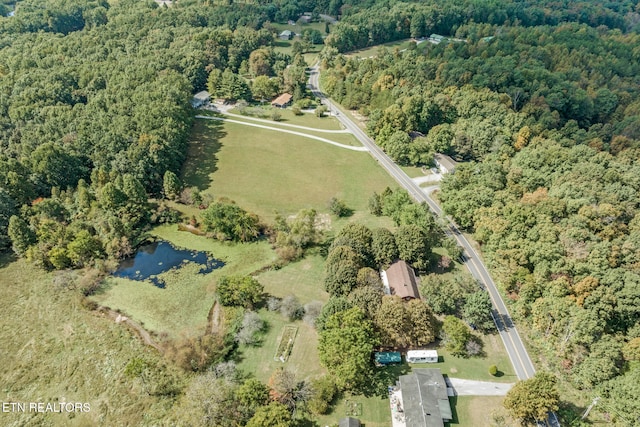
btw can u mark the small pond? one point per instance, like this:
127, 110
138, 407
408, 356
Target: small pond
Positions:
158, 257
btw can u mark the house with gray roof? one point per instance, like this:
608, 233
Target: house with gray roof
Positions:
424, 398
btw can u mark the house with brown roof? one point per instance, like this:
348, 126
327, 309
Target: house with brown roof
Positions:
400, 279
282, 101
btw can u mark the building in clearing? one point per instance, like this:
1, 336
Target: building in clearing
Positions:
445, 163
286, 35
436, 38
399, 279
424, 398
200, 98
282, 101
349, 422
422, 356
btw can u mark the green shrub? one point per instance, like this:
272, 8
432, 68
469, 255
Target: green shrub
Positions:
493, 370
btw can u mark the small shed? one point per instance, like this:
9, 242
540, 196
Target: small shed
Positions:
200, 98
286, 35
422, 356
282, 101
400, 279
349, 422
387, 357
445, 163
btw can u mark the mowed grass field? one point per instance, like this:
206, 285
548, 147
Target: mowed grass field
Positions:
477, 368
287, 117
304, 360
391, 46
182, 307
266, 171
479, 411
54, 350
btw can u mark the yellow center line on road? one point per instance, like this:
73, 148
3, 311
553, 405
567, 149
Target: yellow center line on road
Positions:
502, 317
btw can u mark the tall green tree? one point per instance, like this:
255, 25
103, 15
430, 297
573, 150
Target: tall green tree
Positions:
171, 185
244, 291
228, 221
413, 246
345, 347
477, 311
456, 335
21, 235
531, 400
341, 271
273, 415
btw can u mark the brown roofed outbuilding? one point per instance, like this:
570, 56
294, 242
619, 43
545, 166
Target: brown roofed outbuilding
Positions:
282, 101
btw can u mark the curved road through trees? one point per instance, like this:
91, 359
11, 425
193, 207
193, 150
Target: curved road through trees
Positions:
515, 348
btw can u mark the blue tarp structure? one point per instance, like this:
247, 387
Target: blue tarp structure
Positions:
387, 357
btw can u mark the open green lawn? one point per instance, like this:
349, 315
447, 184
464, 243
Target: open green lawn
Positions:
299, 28
306, 119
478, 411
266, 171
375, 411
303, 361
55, 350
341, 138
413, 171
181, 308
303, 278
477, 368
373, 50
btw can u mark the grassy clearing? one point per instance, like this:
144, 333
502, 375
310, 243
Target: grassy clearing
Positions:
265, 171
306, 119
286, 47
477, 411
303, 278
373, 50
412, 171
477, 368
53, 349
181, 308
375, 411
342, 138
303, 360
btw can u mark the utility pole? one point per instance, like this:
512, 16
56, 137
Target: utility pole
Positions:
593, 403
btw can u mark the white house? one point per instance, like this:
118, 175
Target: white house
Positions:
286, 35
200, 98
422, 356
445, 163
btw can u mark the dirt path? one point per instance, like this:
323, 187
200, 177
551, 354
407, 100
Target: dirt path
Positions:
215, 318
325, 140
137, 329
478, 388
287, 124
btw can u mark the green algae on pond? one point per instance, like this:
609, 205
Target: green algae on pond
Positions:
155, 258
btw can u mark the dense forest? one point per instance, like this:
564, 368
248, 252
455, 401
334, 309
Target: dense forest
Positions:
95, 111
539, 100
542, 109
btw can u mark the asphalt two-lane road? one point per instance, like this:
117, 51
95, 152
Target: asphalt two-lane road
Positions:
515, 348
